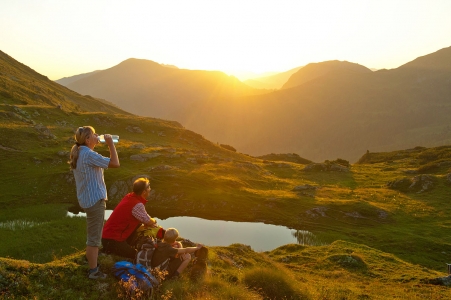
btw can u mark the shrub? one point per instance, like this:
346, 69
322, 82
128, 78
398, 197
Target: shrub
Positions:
228, 147
338, 161
272, 284
429, 168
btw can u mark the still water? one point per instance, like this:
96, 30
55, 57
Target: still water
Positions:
260, 236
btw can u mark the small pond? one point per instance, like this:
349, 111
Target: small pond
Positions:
260, 236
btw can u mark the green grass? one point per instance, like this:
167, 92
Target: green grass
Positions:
390, 240
341, 270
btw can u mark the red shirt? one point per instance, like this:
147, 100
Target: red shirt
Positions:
122, 223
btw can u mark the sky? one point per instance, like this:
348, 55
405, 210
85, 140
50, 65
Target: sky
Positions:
62, 38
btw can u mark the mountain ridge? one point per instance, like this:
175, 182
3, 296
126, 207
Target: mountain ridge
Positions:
333, 109
145, 87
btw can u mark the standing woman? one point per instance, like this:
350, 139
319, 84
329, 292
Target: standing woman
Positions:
88, 167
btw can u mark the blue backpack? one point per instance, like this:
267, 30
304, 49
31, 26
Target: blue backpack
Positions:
144, 280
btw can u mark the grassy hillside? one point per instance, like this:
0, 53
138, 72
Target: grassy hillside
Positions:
381, 235
340, 271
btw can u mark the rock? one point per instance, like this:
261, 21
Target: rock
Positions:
446, 281
7, 149
399, 184
44, 131
419, 183
63, 153
144, 156
321, 167
69, 178
162, 168
134, 129
315, 167
247, 165
448, 177
317, 212
191, 160
304, 187
137, 157
422, 183
137, 146
410, 171
122, 187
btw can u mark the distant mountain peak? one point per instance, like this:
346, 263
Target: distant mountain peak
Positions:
439, 60
315, 70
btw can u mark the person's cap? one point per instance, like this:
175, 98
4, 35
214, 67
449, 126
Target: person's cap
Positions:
160, 233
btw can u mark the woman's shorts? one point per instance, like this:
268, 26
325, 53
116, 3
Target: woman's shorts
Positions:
95, 218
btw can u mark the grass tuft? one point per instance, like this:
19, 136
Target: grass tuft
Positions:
272, 284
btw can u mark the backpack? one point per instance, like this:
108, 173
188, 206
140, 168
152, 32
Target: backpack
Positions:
142, 233
145, 254
144, 280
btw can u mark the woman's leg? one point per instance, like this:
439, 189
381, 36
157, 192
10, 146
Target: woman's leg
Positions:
95, 217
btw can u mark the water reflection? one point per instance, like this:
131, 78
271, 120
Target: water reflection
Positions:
260, 236
305, 237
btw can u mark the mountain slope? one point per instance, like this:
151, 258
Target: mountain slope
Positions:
315, 70
324, 111
339, 114
147, 88
272, 82
68, 80
20, 84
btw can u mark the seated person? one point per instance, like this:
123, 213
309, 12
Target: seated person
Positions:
128, 215
171, 256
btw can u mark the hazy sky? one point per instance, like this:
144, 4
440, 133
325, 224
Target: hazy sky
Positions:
60, 38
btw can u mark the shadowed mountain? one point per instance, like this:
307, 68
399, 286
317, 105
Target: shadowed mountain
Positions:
146, 88
272, 82
342, 113
315, 70
325, 110
68, 80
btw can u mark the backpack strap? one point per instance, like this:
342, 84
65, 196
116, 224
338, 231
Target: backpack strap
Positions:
163, 266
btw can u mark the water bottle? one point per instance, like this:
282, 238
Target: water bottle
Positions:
102, 138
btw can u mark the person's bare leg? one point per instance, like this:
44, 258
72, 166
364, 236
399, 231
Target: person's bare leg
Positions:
183, 265
91, 254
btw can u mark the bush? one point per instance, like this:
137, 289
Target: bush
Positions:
272, 284
338, 161
228, 147
429, 168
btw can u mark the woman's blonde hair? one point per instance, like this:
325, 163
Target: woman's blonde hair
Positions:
81, 135
171, 235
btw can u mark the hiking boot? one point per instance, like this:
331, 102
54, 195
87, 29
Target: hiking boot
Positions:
96, 274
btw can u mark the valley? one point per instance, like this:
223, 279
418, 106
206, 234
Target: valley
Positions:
386, 223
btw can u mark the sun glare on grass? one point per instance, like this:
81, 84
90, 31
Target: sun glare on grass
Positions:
19, 224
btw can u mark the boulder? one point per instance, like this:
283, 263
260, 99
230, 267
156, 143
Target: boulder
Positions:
121, 188
419, 184
323, 167
446, 281
144, 156
304, 187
